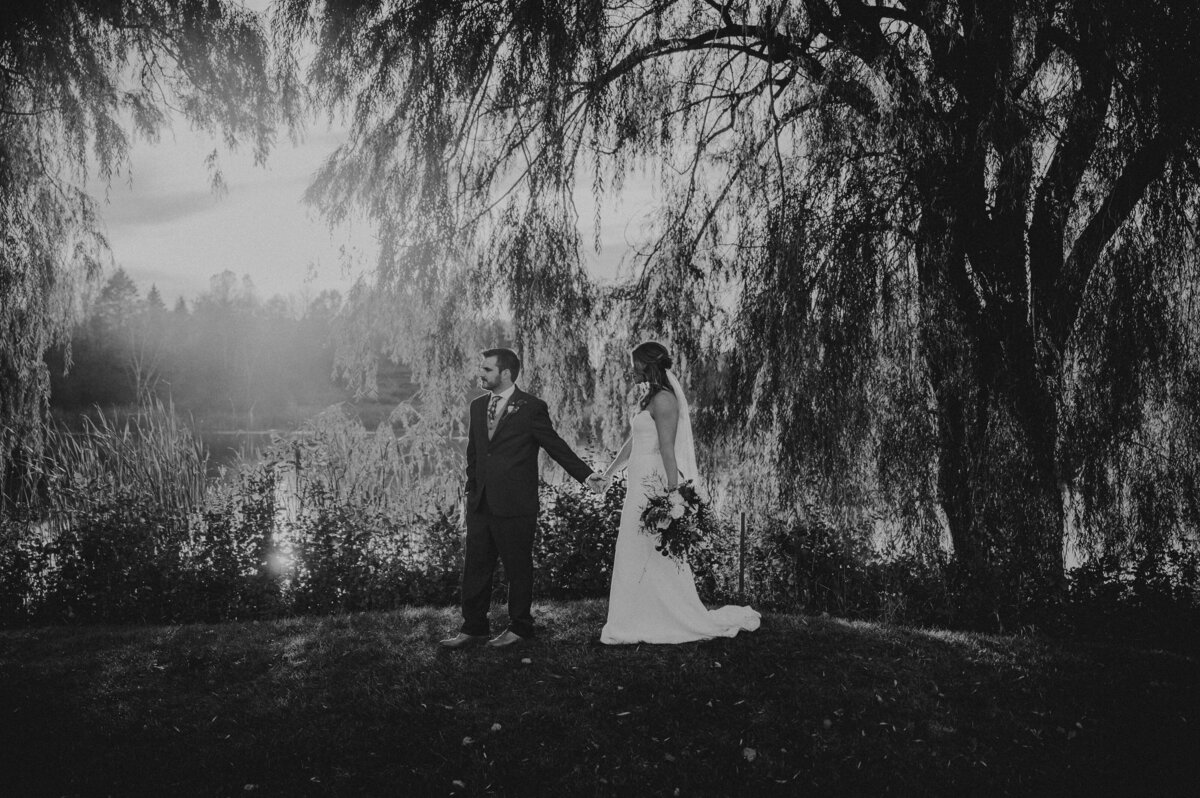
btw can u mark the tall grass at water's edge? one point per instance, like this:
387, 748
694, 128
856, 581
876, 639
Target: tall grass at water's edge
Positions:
120, 522
151, 453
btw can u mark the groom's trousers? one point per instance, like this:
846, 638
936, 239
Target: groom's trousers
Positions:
509, 539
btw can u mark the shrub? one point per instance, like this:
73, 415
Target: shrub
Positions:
576, 537
347, 558
433, 561
24, 565
1151, 597
115, 562
810, 564
227, 563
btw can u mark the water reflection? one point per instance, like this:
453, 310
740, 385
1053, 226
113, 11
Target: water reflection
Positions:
227, 448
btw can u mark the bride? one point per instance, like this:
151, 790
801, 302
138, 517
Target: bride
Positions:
653, 598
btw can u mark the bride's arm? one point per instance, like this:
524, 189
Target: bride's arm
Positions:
664, 409
620, 460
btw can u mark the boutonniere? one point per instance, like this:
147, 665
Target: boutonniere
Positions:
514, 406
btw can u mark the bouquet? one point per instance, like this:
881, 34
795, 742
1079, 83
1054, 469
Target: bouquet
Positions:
679, 518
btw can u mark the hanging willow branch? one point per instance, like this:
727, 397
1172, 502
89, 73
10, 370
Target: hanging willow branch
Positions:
885, 226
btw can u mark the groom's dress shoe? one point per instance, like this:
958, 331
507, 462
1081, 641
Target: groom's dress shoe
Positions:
462, 641
508, 638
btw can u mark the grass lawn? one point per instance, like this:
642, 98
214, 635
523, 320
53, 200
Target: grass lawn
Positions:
366, 705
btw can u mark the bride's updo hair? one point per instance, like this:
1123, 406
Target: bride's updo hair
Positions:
655, 360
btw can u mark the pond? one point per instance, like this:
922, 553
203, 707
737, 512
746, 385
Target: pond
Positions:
229, 447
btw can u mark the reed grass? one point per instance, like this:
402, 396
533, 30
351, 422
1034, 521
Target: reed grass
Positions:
125, 519
399, 475
155, 455
151, 454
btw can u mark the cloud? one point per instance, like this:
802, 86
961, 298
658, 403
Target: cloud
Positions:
166, 226
140, 209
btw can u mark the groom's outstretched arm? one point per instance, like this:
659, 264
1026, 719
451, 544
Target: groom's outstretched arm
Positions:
556, 447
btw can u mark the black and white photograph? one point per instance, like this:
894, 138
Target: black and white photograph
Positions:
599, 398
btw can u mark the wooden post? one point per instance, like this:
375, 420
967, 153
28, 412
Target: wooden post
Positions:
742, 562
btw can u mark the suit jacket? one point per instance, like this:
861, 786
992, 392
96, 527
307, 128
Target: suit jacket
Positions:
505, 468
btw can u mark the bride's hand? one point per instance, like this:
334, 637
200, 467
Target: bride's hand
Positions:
598, 483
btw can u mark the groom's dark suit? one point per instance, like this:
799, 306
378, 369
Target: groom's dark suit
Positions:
502, 505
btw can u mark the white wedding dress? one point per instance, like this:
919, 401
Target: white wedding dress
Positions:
653, 598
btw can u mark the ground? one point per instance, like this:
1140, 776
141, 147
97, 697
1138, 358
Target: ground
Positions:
366, 704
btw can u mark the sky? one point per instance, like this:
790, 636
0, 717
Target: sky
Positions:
167, 228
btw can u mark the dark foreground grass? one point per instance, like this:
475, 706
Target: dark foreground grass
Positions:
365, 705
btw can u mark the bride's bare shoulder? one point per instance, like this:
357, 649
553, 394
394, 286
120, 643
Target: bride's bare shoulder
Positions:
663, 402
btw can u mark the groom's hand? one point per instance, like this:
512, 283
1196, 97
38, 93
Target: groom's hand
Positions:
597, 483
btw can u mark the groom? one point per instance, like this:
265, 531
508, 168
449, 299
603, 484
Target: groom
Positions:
508, 426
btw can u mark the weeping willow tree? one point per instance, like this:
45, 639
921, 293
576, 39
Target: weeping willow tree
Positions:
950, 240
78, 80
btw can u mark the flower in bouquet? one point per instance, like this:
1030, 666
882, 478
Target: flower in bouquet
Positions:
679, 518
678, 506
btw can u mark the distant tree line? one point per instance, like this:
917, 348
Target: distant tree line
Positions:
230, 355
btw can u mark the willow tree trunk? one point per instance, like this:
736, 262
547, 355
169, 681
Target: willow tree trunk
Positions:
1042, 533
960, 445
997, 431
961, 409
998, 484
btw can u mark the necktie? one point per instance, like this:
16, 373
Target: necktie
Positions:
491, 417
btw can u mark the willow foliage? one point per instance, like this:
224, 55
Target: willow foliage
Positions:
78, 80
934, 249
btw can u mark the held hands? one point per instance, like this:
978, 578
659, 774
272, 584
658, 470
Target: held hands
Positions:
598, 483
